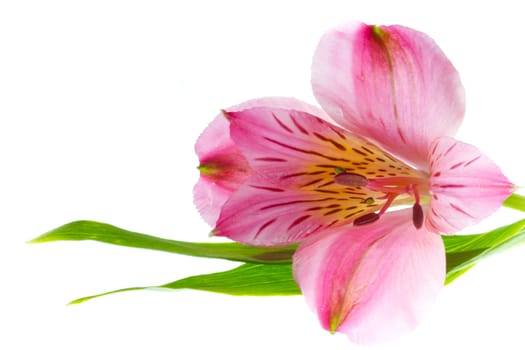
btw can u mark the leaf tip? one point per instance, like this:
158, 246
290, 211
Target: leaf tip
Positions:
77, 301
39, 239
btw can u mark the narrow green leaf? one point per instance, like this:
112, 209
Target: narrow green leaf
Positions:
463, 252
81, 300
96, 231
245, 280
264, 277
515, 201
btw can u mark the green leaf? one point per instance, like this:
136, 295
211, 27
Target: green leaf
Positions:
463, 252
96, 231
261, 275
246, 280
515, 201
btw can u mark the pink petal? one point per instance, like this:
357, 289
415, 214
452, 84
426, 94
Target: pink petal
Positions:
391, 84
466, 186
209, 197
270, 216
284, 103
292, 191
372, 282
222, 168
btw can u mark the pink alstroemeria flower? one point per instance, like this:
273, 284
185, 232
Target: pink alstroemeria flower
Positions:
277, 171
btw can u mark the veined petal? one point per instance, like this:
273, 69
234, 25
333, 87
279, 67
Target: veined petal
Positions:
293, 191
465, 185
222, 169
391, 84
374, 282
271, 216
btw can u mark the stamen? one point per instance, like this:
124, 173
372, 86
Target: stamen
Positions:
387, 204
391, 188
351, 179
417, 215
415, 191
369, 200
338, 170
366, 219
372, 217
393, 184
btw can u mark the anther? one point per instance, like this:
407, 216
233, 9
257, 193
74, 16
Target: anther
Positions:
417, 215
366, 219
369, 200
339, 170
351, 179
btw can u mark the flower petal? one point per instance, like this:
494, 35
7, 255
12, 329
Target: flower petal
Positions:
222, 167
293, 190
466, 186
372, 282
391, 84
284, 103
209, 197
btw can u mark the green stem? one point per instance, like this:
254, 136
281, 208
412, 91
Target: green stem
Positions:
515, 201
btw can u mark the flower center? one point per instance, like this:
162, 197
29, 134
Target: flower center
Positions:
392, 187
323, 176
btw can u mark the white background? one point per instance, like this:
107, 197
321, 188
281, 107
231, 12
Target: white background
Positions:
100, 105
